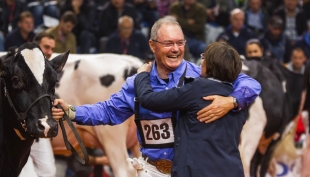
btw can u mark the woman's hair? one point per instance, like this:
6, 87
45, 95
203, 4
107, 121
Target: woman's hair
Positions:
254, 41
222, 62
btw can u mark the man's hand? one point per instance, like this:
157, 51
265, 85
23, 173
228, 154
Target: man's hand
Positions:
146, 67
58, 113
217, 109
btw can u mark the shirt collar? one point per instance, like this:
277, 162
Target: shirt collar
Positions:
173, 77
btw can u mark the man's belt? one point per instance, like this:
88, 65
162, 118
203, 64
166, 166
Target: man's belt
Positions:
162, 165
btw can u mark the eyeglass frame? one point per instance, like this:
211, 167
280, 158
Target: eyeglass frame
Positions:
173, 43
202, 56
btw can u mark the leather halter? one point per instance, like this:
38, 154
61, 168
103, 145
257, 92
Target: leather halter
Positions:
21, 116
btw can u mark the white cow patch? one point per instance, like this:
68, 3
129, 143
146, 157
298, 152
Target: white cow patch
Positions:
244, 67
45, 125
36, 62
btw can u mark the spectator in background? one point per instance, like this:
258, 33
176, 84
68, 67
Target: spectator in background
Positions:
237, 34
274, 40
46, 42
24, 32
83, 30
304, 42
42, 7
298, 59
306, 7
147, 11
256, 17
163, 7
65, 39
192, 17
110, 14
11, 10
127, 40
294, 19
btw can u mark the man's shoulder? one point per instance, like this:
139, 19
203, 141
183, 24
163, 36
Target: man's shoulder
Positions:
51, 30
192, 69
176, 5
199, 6
12, 34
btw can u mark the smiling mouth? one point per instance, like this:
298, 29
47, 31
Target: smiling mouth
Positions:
173, 57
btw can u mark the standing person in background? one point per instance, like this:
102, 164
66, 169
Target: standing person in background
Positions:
24, 33
41, 153
298, 59
127, 40
65, 39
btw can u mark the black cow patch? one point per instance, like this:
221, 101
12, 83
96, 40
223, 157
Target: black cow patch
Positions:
107, 80
59, 76
129, 73
76, 65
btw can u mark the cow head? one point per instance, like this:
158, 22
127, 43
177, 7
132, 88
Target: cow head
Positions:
30, 81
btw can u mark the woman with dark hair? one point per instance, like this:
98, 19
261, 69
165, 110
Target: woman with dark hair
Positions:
200, 149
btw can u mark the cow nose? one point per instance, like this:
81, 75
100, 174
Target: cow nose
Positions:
43, 126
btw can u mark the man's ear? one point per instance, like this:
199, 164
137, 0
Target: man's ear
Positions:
152, 46
59, 61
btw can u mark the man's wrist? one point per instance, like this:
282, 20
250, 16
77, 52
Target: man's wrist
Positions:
235, 102
71, 112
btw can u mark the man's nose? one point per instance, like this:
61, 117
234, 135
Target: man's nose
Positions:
175, 47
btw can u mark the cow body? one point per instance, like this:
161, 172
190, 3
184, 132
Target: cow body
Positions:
27, 85
89, 79
278, 111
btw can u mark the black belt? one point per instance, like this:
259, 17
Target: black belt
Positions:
162, 165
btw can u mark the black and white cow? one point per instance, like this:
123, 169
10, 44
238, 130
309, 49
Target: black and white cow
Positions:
27, 86
269, 116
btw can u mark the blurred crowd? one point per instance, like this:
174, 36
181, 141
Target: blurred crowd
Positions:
123, 26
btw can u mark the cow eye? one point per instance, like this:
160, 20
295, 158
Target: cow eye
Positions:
16, 80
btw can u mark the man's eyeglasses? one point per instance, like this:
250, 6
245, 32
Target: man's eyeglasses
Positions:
179, 43
202, 56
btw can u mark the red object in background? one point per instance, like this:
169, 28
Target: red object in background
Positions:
300, 129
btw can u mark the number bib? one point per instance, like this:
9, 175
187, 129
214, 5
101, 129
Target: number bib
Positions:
156, 133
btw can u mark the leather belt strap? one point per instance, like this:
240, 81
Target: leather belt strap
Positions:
149, 160
163, 165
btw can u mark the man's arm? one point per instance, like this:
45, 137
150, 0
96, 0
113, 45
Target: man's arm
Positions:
111, 112
246, 89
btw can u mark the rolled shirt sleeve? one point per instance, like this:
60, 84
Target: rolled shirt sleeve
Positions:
246, 89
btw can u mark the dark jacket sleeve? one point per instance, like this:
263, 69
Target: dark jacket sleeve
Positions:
168, 100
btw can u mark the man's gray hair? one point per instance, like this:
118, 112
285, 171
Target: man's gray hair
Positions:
125, 17
165, 20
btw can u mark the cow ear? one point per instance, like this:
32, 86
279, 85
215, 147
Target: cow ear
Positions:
59, 62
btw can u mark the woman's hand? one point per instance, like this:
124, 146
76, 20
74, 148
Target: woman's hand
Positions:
146, 67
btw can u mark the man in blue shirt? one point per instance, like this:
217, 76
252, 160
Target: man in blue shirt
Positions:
167, 43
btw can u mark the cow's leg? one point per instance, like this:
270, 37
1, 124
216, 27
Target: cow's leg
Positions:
113, 140
267, 158
251, 134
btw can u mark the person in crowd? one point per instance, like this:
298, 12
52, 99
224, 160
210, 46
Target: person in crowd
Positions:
127, 40
65, 39
192, 18
163, 6
275, 41
83, 30
218, 140
46, 42
298, 59
256, 17
39, 8
11, 10
237, 33
24, 33
254, 50
304, 41
293, 18
110, 14
167, 71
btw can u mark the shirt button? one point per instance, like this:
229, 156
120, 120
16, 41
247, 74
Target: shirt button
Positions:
165, 153
167, 88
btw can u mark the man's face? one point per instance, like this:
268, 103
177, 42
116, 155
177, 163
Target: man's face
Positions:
275, 32
26, 25
47, 46
125, 29
253, 50
117, 3
298, 59
66, 27
189, 2
291, 4
168, 58
237, 21
255, 5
